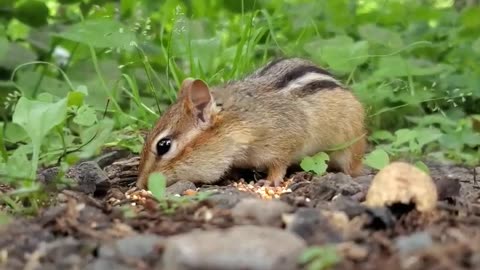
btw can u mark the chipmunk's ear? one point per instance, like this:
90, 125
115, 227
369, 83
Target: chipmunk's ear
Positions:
186, 83
199, 100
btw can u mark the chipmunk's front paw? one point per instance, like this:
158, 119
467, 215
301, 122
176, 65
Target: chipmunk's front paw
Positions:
264, 183
269, 183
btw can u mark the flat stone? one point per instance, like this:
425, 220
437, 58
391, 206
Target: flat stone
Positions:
260, 212
312, 226
241, 247
344, 183
226, 197
136, 246
180, 187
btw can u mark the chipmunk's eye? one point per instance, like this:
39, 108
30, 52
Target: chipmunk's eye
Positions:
163, 146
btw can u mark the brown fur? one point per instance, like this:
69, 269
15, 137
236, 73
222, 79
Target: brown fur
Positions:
257, 126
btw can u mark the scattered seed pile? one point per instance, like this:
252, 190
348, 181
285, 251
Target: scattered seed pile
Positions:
264, 192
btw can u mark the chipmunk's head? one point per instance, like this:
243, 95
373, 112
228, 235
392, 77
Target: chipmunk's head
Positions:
169, 144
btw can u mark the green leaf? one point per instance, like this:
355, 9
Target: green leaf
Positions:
157, 184
309, 254
476, 46
396, 66
32, 82
37, 118
317, 164
377, 159
100, 33
340, 53
86, 116
14, 133
382, 135
470, 17
380, 36
95, 137
404, 136
16, 55
68, 2
451, 141
46, 97
242, 6
3, 47
422, 166
425, 136
17, 30
75, 98
33, 13
470, 138
18, 165
320, 257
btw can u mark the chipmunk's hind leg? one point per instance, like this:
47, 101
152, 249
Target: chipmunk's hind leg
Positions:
275, 175
349, 160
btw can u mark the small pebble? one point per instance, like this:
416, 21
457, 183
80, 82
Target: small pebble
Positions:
353, 251
413, 243
260, 212
190, 192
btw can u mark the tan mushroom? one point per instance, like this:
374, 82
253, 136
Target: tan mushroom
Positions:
400, 182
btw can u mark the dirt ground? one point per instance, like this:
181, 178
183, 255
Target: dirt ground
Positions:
105, 223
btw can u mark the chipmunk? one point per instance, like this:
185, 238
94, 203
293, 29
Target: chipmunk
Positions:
268, 120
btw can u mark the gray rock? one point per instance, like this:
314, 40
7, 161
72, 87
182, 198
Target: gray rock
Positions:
110, 157
107, 264
412, 243
137, 246
379, 218
180, 187
364, 181
88, 176
240, 247
48, 175
341, 182
447, 188
226, 197
260, 212
312, 226
349, 206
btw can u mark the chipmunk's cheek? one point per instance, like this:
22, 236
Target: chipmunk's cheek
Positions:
171, 181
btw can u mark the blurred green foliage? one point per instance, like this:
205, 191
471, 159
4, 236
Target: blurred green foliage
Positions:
415, 64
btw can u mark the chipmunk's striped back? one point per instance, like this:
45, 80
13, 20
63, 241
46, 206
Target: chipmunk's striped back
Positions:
293, 75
